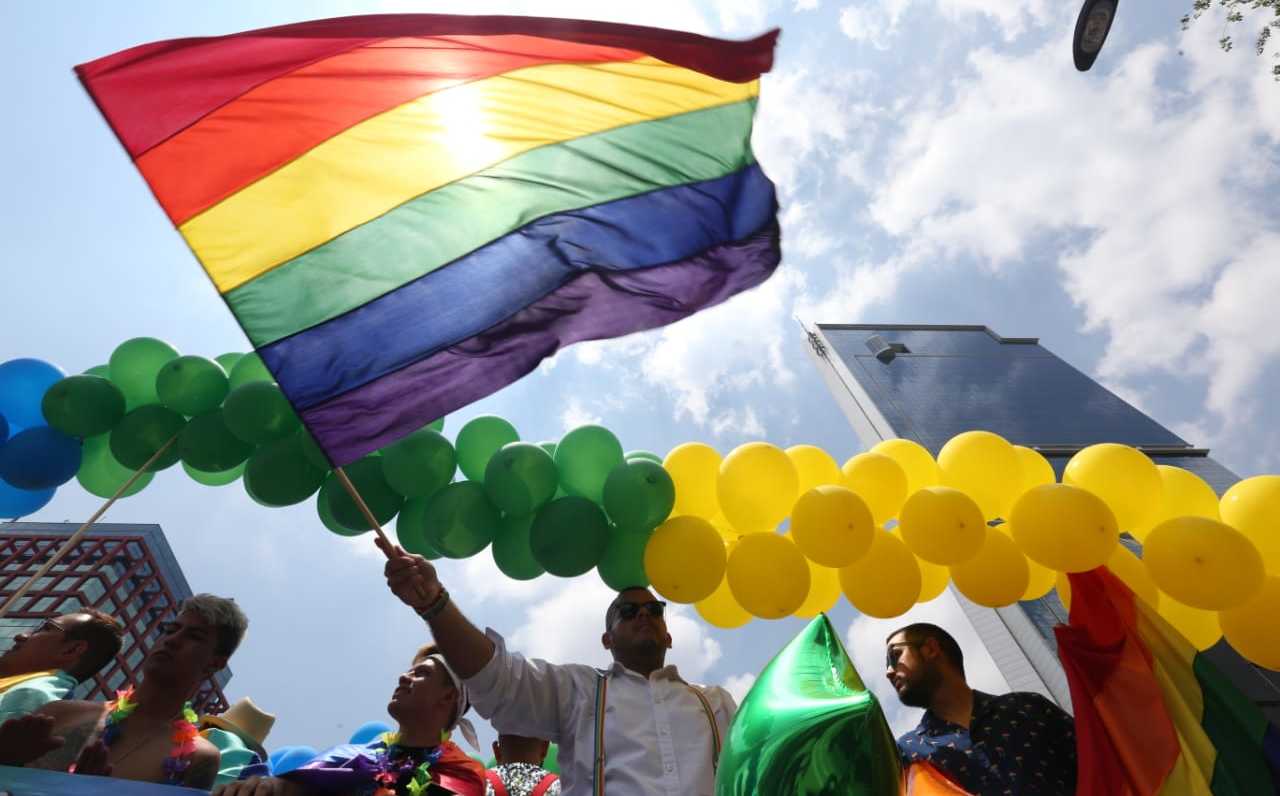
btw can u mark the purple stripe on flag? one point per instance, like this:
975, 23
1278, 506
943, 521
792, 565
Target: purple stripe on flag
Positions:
592, 306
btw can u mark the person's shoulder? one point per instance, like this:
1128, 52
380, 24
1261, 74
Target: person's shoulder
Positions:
1029, 700
203, 764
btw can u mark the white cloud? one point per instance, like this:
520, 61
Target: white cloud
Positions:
878, 22
875, 22
865, 643
738, 423
576, 414
805, 5
738, 685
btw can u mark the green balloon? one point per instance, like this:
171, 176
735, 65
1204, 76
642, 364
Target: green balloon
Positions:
191, 385
142, 432
258, 412
585, 456
248, 369
632, 455
511, 551
460, 520
326, 514
622, 564
279, 473
99, 370
418, 464
207, 445
781, 738
411, 528
228, 361
100, 474
134, 366
83, 406
478, 440
569, 536
214, 479
315, 454
552, 763
549, 447
638, 494
521, 478
437, 425
366, 476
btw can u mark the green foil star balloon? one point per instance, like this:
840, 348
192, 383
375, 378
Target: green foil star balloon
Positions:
809, 726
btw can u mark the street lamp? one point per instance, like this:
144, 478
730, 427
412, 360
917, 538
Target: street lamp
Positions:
1092, 28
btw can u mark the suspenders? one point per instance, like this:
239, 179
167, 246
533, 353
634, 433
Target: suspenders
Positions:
602, 690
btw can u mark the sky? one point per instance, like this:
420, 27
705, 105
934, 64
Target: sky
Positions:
938, 161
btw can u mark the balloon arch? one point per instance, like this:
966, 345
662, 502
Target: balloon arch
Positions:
761, 532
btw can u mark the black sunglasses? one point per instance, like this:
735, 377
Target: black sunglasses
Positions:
629, 611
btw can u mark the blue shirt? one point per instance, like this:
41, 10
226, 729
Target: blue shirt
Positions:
29, 696
1019, 743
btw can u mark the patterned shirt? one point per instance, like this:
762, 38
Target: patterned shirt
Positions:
520, 779
1020, 744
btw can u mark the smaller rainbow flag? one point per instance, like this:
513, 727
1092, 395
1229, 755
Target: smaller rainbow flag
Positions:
407, 212
1154, 716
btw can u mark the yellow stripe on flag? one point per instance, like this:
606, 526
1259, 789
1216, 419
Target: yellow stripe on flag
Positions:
1184, 701
377, 165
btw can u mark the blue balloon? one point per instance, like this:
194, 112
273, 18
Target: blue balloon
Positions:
23, 383
4, 429
369, 731
293, 757
39, 458
15, 503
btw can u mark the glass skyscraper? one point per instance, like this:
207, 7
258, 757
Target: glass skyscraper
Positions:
928, 383
127, 571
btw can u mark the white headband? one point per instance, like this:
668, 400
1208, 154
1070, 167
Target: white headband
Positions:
464, 704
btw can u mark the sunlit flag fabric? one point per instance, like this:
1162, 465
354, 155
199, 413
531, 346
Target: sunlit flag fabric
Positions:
1153, 715
406, 213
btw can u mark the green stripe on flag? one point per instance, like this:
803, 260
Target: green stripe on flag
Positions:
1235, 726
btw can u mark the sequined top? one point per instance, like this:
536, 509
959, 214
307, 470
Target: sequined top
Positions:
520, 779
1018, 744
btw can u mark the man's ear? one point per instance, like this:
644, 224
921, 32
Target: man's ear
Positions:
606, 640
668, 641
72, 651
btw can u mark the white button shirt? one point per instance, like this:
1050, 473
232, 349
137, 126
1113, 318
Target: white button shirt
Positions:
657, 735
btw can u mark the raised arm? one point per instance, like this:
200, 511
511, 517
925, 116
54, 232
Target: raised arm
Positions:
413, 580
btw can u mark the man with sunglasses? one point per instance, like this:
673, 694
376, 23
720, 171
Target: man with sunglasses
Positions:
44, 665
1012, 743
634, 728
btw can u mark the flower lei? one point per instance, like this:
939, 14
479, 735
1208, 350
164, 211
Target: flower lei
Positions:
397, 761
184, 733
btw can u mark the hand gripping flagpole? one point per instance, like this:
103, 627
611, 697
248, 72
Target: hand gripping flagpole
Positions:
82, 530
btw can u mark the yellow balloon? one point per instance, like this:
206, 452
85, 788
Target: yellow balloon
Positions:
723, 527
1185, 495
1201, 628
933, 580
685, 559
997, 576
1036, 470
1063, 585
757, 486
1064, 528
1251, 627
832, 526
1204, 563
694, 468
1252, 506
1124, 477
768, 575
878, 480
886, 581
984, 466
1129, 568
914, 459
824, 592
814, 466
721, 610
942, 525
1040, 581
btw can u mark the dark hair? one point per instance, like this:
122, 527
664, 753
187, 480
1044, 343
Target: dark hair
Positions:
103, 634
611, 613
923, 631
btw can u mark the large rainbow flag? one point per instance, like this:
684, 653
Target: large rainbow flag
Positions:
1154, 716
406, 213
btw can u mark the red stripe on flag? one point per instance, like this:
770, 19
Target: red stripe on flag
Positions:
1125, 738
151, 92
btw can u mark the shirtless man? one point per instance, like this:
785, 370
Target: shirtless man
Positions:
141, 746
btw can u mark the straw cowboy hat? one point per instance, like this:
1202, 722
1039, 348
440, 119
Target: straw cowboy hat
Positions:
245, 720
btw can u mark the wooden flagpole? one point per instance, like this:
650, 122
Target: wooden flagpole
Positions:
81, 531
